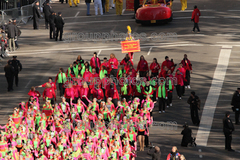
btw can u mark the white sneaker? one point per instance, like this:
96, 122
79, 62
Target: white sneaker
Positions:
170, 104
185, 86
163, 111
159, 112
189, 86
167, 106
180, 97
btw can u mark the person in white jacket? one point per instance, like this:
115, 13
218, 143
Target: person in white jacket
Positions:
98, 4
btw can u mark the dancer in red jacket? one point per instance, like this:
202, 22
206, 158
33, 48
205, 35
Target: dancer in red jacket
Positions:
49, 93
113, 65
195, 18
188, 68
112, 92
154, 67
169, 64
142, 67
95, 62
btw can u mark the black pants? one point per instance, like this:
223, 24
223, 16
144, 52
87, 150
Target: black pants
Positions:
85, 101
154, 95
237, 117
35, 23
169, 100
179, 90
186, 83
63, 1
228, 141
154, 74
59, 30
16, 78
103, 6
161, 104
142, 73
46, 22
104, 98
61, 89
196, 26
194, 115
52, 101
10, 82
146, 141
97, 70
115, 101
52, 31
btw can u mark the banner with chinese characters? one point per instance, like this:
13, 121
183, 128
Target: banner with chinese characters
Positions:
130, 46
130, 4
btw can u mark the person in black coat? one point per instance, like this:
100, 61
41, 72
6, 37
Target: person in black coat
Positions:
59, 23
52, 25
194, 102
47, 10
136, 6
12, 33
17, 68
36, 15
236, 105
187, 135
228, 128
9, 74
157, 153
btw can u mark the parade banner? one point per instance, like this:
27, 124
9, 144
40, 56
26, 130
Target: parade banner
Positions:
130, 4
130, 46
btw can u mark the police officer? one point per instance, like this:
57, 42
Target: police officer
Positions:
52, 25
17, 67
59, 23
236, 105
47, 10
9, 74
228, 128
194, 102
187, 135
36, 15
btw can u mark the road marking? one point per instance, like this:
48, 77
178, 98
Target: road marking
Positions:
76, 14
28, 84
99, 52
150, 49
213, 96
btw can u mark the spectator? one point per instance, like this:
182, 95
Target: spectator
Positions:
59, 23
9, 74
156, 155
36, 15
88, 7
187, 135
12, 33
173, 154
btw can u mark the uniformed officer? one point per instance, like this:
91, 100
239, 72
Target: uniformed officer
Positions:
236, 105
36, 15
187, 135
47, 9
228, 128
194, 102
52, 25
9, 74
59, 23
17, 67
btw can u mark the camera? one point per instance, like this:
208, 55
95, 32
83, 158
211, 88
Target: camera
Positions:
152, 146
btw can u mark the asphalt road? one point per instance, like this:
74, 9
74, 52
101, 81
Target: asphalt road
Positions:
42, 57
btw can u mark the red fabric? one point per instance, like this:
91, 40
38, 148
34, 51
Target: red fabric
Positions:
105, 64
49, 92
95, 75
135, 92
97, 93
180, 79
112, 92
93, 64
104, 82
69, 93
76, 91
163, 74
56, 78
142, 65
84, 91
183, 71
195, 15
168, 64
133, 72
52, 84
34, 93
153, 69
188, 65
114, 65
125, 64
87, 76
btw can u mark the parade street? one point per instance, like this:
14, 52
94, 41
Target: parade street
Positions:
214, 54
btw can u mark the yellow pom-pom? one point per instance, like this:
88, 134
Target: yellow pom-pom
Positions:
129, 29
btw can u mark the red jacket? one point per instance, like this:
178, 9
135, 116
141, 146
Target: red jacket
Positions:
56, 79
49, 92
87, 76
97, 93
104, 82
105, 64
129, 91
114, 65
142, 65
126, 66
76, 91
135, 92
84, 91
187, 66
168, 64
183, 71
34, 93
95, 75
133, 72
93, 64
112, 92
163, 74
195, 15
153, 69
180, 79
69, 93
52, 84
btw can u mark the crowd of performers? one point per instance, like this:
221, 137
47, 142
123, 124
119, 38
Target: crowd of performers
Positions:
105, 111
